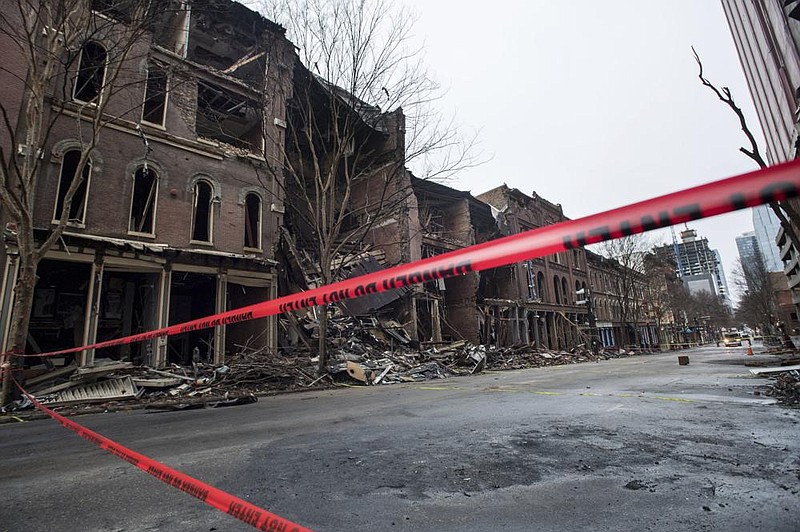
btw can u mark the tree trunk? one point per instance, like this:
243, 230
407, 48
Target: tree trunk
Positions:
322, 349
23, 303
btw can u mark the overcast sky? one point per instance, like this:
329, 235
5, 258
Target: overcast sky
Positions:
593, 105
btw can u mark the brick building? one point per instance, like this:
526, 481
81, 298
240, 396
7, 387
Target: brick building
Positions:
534, 301
621, 310
449, 219
173, 220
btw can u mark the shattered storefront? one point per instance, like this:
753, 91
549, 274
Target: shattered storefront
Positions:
94, 289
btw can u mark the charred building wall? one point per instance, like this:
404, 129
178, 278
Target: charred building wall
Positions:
180, 206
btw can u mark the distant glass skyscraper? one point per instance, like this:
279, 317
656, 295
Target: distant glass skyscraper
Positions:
748, 247
749, 252
766, 226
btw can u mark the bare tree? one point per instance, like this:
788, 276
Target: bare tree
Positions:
784, 210
65, 78
758, 306
658, 280
629, 283
360, 113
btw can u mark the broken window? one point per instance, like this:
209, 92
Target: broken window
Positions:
227, 116
434, 222
143, 201
69, 169
201, 218
252, 221
155, 95
91, 72
565, 291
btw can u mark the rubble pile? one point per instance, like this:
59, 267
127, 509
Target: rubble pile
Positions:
361, 351
786, 388
531, 357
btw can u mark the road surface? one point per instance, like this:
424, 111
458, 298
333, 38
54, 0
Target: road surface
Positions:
631, 444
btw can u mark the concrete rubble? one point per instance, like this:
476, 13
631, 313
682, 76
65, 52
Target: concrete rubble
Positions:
362, 352
785, 386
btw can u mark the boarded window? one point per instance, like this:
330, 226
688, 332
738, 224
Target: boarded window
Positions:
91, 72
155, 96
201, 220
143, 202
69, 169
252, 221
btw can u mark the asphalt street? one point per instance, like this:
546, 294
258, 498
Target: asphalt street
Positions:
639, 443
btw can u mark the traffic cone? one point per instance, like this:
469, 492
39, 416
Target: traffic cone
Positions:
749, 351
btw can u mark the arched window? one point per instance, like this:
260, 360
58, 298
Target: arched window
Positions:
540, 285
252, 221
91, 72
565, 291
557, 290
143, 201
202, 215
69, 170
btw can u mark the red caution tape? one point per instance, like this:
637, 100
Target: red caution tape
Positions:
747, 190
240, 509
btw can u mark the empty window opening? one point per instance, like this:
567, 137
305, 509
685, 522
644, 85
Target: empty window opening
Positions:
143, 202
228, 117
59, 306
69, 171
128, 302
91, 72
201, 220
252, 221
192, 296
253, 333
155, 96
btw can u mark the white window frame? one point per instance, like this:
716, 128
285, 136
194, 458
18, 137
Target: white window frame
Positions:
102, 82
212, 200
56, 214
163, 123
259, 226
155, 202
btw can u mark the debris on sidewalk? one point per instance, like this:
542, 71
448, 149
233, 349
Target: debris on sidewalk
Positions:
362, 351
785, 386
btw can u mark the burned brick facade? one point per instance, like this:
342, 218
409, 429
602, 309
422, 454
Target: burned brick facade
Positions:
189, 202
174, 219
447, 309
534, 302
